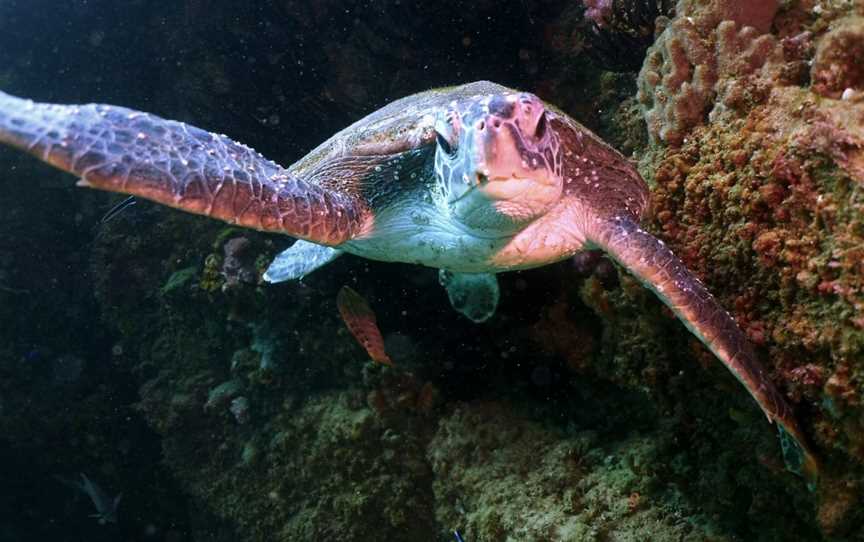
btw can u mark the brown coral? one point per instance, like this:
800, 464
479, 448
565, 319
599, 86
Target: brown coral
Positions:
704, 52
676, 82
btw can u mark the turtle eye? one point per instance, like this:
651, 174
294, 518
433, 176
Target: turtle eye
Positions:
444, 144
541, 126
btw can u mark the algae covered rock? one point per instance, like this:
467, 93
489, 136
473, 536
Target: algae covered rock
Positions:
502, 475
499, 477
329, 469
764, 202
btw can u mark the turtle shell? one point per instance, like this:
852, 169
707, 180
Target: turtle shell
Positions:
595, 173
401, 126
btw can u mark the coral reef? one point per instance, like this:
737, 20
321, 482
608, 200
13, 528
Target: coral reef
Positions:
502, 477
700, 56
327, 467
764, 202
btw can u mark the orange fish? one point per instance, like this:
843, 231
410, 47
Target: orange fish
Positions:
360, 320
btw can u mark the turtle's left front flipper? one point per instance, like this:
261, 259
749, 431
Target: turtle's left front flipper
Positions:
121, 150
299, 260
658, 268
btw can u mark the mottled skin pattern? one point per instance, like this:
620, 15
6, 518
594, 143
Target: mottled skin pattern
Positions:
372, 190
120, 150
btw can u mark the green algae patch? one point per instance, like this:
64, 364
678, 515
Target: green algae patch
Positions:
179, 279
224, 234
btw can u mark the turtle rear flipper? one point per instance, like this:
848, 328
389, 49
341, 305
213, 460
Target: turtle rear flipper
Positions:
475, 295
121, 150
658, 268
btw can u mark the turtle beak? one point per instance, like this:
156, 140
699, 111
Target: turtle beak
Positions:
509, 163
508, 137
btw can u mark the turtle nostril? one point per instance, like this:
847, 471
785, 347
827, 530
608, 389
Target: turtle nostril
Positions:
481, 125
496, 123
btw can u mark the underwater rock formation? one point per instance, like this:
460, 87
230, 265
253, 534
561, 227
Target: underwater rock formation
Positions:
501, 476
326, 468
757, 174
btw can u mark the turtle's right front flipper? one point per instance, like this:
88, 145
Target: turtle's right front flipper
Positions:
121, 150
658, 268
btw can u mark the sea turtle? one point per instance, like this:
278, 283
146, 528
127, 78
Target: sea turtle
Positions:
473, 180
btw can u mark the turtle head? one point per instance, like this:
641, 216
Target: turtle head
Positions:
498, 163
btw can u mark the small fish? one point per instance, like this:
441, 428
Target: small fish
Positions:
117, 209
360, 320
106, 507
16, 291
458, 536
